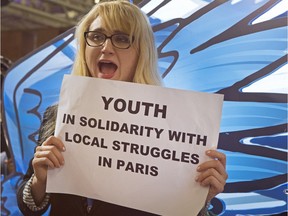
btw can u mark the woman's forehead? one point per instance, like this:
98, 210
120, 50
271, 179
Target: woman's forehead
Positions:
109, 26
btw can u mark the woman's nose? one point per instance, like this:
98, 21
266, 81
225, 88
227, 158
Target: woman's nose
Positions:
108, 46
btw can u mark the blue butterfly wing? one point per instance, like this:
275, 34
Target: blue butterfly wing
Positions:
235, 48
29, 88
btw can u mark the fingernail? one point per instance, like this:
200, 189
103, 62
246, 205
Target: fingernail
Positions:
208, 152
198, 168
196, 178
64, 149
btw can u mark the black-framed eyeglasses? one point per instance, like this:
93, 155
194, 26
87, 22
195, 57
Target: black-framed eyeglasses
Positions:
119, 40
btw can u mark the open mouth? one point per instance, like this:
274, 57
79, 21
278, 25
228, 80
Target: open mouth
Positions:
107, 69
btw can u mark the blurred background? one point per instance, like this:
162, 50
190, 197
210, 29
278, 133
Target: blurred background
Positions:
27, 24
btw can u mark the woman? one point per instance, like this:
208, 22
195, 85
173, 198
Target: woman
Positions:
115, 42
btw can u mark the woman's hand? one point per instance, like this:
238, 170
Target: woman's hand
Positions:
213, 173
49, 154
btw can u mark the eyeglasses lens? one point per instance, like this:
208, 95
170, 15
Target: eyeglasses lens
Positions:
96, 39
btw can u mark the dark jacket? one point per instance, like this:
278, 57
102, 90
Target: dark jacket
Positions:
72, 205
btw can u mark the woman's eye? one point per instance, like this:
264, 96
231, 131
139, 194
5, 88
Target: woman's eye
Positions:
97, 37
122, 39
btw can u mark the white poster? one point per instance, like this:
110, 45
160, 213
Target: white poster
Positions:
135, 145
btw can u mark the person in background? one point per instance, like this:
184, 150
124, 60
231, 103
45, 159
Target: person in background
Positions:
115, 41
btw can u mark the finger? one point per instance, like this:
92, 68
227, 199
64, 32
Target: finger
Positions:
217, 156
213, 164
45, 150
42, 162
38, 148
52, 140
54, 145
202, 177
52, 154
215, 185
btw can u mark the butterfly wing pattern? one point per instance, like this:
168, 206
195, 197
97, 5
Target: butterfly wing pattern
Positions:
237, 48
30, 87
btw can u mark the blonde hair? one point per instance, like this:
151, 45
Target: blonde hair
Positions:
127, 17
120, 15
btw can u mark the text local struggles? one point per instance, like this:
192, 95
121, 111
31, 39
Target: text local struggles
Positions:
133, 129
